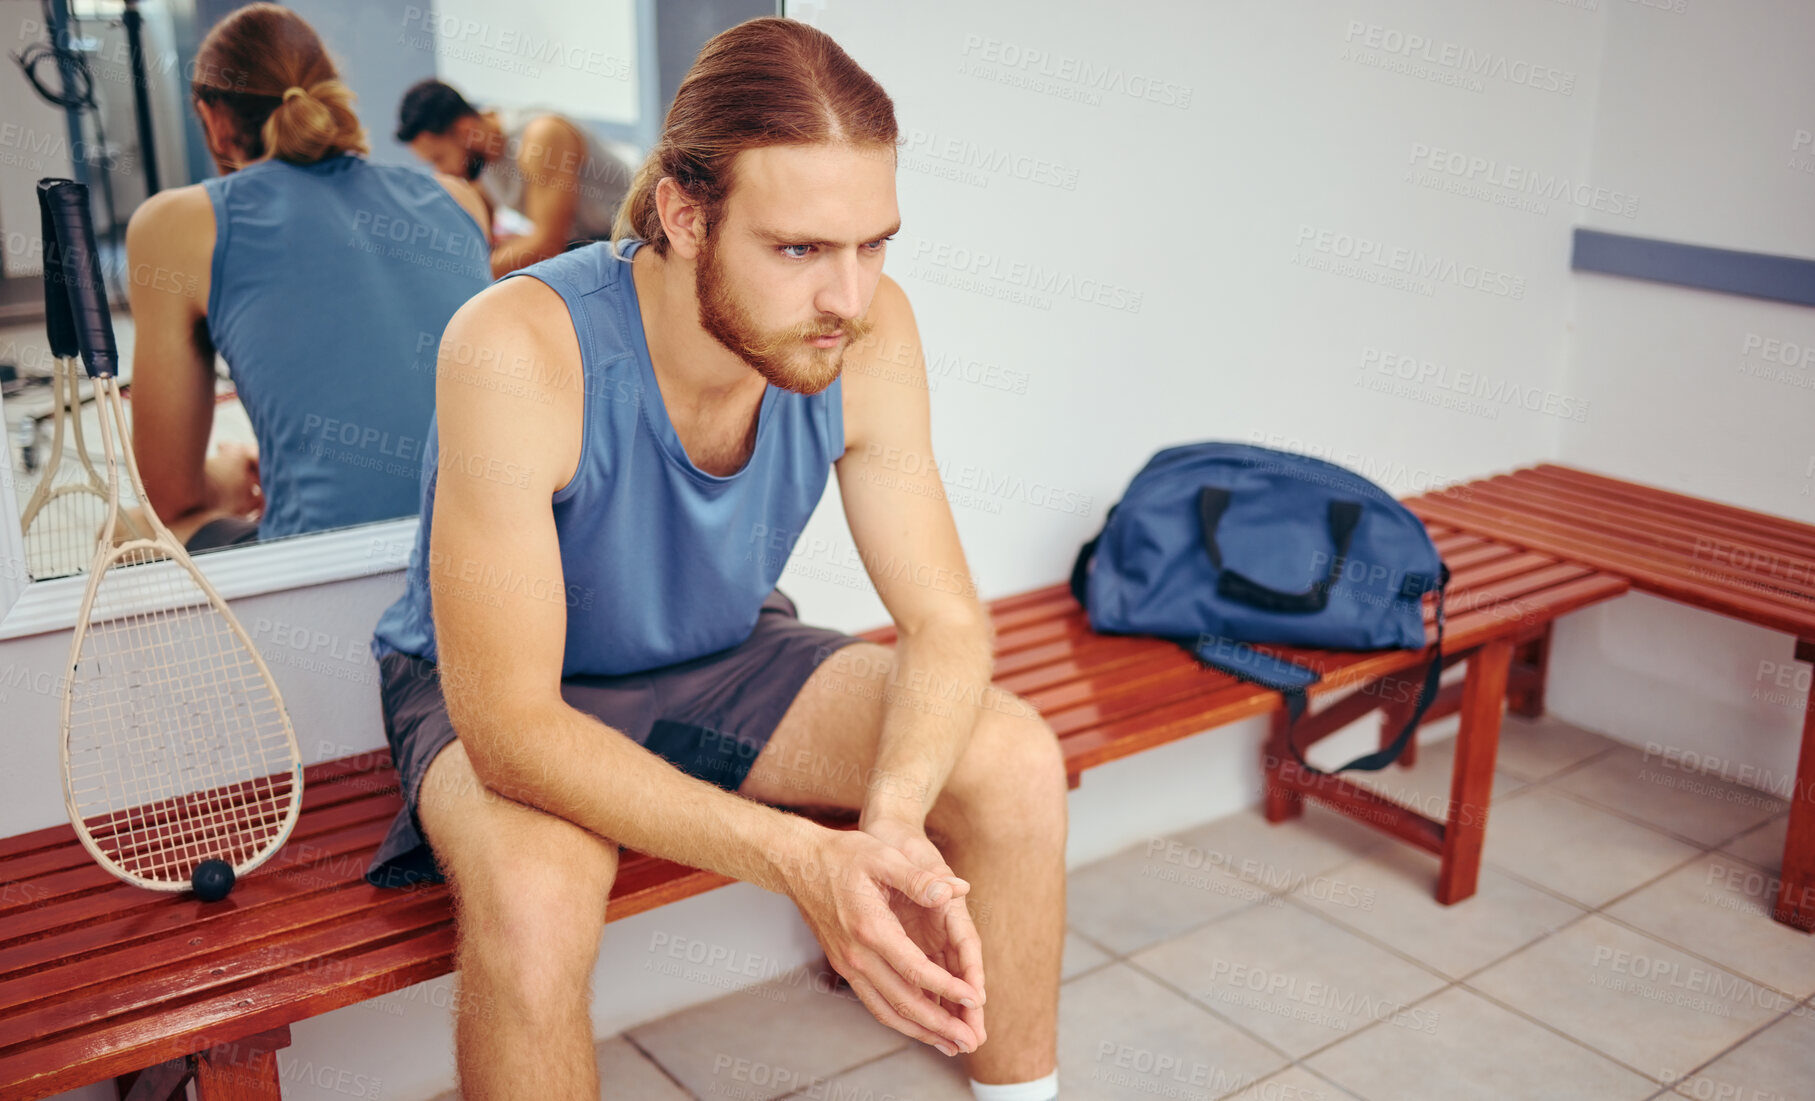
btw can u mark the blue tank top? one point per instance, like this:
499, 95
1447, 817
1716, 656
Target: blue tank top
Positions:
330, 286
661, 562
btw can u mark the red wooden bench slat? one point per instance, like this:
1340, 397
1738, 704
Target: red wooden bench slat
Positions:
1072, 629
1793, 572
1015, 601
316, 948
1658, 568
85, 877
1476, 625
126, 1044
1669, 501
1600, 510
140, 967
1178, 719
1597, 505
1100, 744
113, 949
1030, 665
1166, 677
124, 972
1660, 575
1070, 646
1474, 556
322, 854
61, 851
1003, 609
299, 863
1066, 684
1175, 675
1457, 542
1747, 565
321, 774
1063, 621
1050, 604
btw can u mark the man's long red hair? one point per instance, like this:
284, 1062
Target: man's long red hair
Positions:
766, 81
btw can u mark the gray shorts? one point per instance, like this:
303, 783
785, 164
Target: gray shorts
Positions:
223, 531
709, 717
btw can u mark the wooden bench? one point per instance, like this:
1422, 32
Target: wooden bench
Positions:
100, 980
1751, 566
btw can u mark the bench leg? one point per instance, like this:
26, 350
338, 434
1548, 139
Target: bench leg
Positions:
1281, 803
1472, 782
159, 1083
1796, 894
1532, 663
241, 1070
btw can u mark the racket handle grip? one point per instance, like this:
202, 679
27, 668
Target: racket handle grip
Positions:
59, 316
67, 204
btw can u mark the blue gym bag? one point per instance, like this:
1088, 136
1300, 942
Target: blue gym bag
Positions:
1218, 545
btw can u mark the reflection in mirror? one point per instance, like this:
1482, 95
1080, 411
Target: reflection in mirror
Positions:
360, 168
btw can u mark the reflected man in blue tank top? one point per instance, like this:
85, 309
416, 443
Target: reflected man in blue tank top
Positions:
323, 280
590, 651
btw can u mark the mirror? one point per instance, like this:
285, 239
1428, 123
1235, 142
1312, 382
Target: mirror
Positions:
281, 376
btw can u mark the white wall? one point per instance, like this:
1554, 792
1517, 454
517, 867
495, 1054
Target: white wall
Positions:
34, 141
1276, 137
1709, 112
1271, 132
34, 136
579, 59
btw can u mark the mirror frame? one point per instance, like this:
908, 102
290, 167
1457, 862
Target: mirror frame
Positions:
29, 607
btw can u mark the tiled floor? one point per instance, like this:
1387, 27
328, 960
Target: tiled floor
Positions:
1618, 947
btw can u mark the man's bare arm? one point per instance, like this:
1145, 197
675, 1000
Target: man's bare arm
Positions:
471, 200
501, 606
169, 249
905, 536
550, 161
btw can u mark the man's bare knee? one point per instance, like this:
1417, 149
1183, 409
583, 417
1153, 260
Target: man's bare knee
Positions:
529, 888
1011, 779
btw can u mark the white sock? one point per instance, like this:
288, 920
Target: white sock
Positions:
1040, 1089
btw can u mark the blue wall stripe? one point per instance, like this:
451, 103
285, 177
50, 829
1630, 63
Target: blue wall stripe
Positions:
1754, 274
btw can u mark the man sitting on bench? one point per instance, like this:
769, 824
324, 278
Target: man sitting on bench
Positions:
627, 446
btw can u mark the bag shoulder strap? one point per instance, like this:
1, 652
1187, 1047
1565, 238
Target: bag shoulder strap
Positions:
1292, 680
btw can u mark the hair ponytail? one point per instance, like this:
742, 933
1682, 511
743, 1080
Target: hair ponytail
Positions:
268, 69
314, 123
637, 215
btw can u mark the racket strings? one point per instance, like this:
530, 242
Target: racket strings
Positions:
67, 508
61, 539
179, 749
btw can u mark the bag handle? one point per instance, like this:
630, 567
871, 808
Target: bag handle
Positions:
1290, 679
1344, 516
1427, 693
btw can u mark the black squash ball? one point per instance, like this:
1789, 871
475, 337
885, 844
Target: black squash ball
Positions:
212, 879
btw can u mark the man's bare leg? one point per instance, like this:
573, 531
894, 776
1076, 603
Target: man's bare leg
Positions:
1007, 839
1000, 823
529, 892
